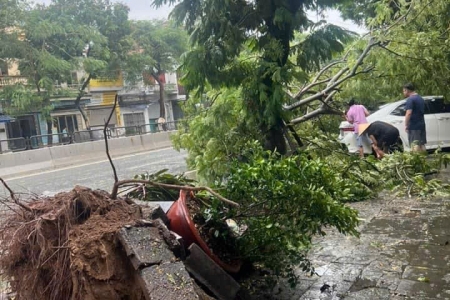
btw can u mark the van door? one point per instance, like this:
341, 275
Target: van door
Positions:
431, 124
442, 113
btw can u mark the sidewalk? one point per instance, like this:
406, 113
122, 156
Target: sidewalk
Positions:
403, 253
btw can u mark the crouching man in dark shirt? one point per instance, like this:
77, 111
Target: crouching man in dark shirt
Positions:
385, 138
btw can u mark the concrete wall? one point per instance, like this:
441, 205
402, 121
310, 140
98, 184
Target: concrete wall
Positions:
60, 156
25, 161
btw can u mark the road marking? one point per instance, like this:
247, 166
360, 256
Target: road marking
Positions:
86, 164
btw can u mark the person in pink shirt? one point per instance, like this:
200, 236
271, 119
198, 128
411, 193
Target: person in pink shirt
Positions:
356, 115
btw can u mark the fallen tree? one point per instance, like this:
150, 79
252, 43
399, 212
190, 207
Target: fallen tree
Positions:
65, 247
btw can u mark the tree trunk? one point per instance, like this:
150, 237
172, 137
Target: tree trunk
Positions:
81, 108
162, 106
78, 101
273, 131
49, 132
274, 137
47, 103
84, 115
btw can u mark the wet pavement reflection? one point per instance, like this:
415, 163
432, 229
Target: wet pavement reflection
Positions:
403, 253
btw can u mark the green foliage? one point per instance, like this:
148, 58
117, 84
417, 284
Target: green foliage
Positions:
223, 32
22, 100
158, 46
403, 173
285, 201
62, 37
415, 49
321, 45
362, 12
215, 132
409, 173
361, 178
10, 15
247, 57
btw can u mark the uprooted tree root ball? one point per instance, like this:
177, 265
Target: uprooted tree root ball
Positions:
65, 247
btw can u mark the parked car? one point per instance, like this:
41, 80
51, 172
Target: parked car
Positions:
437, 120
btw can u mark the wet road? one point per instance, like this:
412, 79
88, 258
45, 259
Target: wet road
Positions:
98, 175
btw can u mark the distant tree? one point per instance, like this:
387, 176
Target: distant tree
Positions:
106, 43
37, 62
65, 36
10, 15
158, 46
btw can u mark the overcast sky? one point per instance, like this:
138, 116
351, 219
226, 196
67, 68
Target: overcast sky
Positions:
142, 10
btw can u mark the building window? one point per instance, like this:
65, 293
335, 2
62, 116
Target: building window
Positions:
134, 119
66, 123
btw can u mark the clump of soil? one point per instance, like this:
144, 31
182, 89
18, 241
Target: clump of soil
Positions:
216, 233
66, 248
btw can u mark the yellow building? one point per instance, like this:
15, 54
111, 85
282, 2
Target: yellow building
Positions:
138, 106
103, 93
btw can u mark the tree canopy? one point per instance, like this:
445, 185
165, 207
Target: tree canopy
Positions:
415, 49
65, 36
239, 65
158, 47
222, 31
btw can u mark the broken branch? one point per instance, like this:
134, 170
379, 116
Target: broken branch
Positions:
401, 55
336, 80
308, 87
174, 187
13, 196
116, 179
328, 67
324, 109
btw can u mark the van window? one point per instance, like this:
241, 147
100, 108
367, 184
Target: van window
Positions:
430, 107
399, 111
436, 106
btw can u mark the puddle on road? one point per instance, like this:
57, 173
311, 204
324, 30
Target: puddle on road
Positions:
401, 228
420, 290
369, 294
362, 283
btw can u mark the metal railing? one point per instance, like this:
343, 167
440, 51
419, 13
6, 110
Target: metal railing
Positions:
49, 140
12, 145
125, 131
154, 127
90, 135
11, 80
171, 125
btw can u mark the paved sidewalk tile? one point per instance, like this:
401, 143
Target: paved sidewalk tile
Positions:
403, 253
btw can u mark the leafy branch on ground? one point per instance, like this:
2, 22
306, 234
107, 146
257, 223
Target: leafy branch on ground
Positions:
411, 173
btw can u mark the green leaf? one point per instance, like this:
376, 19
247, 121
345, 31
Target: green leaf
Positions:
423, 279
